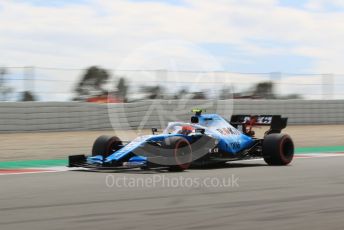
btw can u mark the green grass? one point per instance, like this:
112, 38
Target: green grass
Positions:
323, 149
32, 163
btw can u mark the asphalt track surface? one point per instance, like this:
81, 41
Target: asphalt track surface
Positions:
309, 194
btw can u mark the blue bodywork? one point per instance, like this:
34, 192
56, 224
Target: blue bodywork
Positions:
229, 139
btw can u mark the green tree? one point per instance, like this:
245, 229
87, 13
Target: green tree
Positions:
28, 96
153, 92
122, 88
264, 90
181, 93
4, 89
226, 93
92, 82
199, 95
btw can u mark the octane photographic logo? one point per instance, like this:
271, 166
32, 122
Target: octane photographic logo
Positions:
171, 181
174, 77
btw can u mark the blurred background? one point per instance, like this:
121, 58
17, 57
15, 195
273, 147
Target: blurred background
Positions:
98, 84
80, 50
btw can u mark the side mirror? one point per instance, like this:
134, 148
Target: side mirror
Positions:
202, 131
154, 130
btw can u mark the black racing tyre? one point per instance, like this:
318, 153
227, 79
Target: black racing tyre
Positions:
106, 145
182, 153
278, 149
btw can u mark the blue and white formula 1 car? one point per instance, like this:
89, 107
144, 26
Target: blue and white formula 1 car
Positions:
207, 139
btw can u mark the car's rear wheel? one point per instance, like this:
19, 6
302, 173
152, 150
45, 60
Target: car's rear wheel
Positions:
106, 145
278, 149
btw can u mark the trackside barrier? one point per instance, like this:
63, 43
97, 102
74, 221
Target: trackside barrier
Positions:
73, 116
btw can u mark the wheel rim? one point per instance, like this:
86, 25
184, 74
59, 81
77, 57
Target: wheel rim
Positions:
183, 154
112, 147
287, 149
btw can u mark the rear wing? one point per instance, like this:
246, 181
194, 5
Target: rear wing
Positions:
276, 122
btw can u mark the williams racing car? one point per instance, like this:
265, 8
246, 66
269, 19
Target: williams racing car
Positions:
207, 139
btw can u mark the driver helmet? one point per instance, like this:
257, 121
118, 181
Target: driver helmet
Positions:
186, 130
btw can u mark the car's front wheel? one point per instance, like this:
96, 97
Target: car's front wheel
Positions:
106, 145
